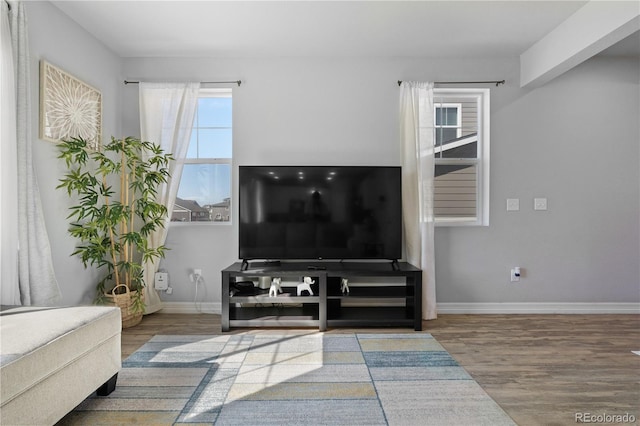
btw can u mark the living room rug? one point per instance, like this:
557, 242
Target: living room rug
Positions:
293, 378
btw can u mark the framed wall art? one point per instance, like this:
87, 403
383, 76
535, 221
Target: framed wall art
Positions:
68, 107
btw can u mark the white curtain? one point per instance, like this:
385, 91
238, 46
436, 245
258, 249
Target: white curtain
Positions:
37, 281
166, 118
9, 291
417, 139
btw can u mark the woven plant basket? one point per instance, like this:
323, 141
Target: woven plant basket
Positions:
125, 302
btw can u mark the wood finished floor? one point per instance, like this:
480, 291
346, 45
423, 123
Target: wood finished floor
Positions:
541, 369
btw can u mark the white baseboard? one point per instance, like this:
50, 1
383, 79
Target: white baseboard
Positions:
538, 308
191, 308
457, 308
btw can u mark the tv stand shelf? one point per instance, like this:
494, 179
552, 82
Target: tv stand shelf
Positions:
366, 305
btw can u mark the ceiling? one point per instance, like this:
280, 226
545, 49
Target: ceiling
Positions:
150, 28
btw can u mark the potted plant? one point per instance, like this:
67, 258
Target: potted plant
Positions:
112, 224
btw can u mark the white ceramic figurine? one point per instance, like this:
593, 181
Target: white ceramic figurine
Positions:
344, 285
306, 285
276, 287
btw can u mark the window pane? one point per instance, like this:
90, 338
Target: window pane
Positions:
446, 116
455, 191
214, 112
451, 116
192, 151
204, 194
214, 143
465, 148
445, 134
461, 173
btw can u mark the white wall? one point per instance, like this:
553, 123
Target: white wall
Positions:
286, 111
59, 40
574, 141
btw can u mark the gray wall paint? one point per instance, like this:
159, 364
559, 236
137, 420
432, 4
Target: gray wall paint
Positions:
574, 141
59, 40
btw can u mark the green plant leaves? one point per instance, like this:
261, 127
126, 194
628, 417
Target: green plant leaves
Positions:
112, 222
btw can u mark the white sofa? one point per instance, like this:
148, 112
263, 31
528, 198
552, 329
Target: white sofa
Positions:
51, 359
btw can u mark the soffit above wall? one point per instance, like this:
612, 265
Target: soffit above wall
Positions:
594, 28
628, 47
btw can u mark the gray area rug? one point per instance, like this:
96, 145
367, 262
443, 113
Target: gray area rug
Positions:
293, 378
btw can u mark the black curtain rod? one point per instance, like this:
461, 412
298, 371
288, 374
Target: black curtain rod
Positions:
238, 82
496, 82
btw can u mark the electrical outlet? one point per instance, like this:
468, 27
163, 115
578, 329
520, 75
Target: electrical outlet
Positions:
513, 204
197, 272
515, 274
539, 203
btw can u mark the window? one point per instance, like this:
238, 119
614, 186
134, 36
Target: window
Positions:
447, 121
461, 184
204, 194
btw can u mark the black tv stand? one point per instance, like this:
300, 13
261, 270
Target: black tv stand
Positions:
367, 303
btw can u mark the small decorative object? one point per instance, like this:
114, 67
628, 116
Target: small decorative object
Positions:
344, 285
276, 287
126, 301
242, 288
305, 285
69, 108
111, 223
264, 282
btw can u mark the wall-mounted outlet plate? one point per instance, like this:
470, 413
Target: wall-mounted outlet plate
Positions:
539, 203
513, 204
515, 275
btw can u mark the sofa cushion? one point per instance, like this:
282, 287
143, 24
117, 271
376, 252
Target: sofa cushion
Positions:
36, 342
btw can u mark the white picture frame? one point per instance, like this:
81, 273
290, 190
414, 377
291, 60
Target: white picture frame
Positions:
69, 107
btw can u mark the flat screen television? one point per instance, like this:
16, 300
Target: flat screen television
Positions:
320, 212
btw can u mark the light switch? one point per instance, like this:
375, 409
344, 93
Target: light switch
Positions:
513, 204
539, 203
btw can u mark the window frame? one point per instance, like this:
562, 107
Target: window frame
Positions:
207, 92
482, 162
